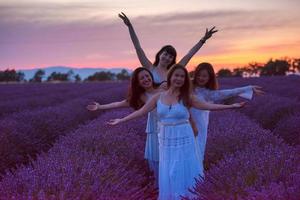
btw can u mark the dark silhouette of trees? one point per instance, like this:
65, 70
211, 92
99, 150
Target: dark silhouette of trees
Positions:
224, 73
123, 75
101, 76
277, 67
57, 76
77, 78
38, 76
10, 75
271, 68
105, 76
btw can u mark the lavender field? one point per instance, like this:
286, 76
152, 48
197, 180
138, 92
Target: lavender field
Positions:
51, 147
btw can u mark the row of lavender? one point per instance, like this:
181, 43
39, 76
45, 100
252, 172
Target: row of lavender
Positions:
243, 161
232, 150
96, 161
27, 133
29, 96
274, 110
284, 86
16, 91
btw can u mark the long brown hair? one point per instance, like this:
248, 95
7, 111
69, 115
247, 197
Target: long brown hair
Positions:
185, 90
212, 83
170, 50
135, 91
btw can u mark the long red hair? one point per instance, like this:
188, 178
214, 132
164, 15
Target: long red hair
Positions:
135, 91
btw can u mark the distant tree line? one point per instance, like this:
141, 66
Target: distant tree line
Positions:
271, 68
13, 76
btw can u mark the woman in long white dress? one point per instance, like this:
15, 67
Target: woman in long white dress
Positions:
205, 88
179, 163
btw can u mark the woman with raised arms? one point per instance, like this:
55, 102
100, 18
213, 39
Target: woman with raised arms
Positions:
166, 56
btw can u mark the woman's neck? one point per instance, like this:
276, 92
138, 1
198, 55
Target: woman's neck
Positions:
149, 90
174, 91
162, 67
199, 86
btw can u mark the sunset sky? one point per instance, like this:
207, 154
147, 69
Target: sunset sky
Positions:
88, 33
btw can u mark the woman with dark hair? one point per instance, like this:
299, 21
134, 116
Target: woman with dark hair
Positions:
179, 163
166, 56
141, 89
205, 88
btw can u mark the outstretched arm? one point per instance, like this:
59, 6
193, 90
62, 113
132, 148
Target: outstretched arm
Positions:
209, 106
145, 62
150, 105
184, 61
97, 106
244, 92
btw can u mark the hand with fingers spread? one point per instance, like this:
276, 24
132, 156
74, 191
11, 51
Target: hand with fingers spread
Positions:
208, 34
258, 90
114, 121
93, 107
125, 19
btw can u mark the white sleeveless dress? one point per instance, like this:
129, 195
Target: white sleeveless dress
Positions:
179, 164
151, 148
157, 78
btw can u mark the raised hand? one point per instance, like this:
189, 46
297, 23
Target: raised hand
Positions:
125, 19
114, 121
163, 86
93, 107
258, 90
209, 33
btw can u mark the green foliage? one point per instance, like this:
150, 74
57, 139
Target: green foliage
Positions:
57, 76
11, 76
101, 76
277, 67
224, 73
38, 76
123, 75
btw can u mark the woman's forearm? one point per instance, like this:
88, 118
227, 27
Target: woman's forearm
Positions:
133, 115
118, 104
209, 106
185, 60
139, 51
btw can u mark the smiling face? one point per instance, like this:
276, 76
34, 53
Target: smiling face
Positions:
178, 78
144, 79
202, 78
165, 58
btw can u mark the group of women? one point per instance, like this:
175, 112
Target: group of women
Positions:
177, 111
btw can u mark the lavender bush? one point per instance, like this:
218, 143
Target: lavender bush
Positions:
50, 97
230, 132
248, 172
30, 132
96, 161
289, 129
